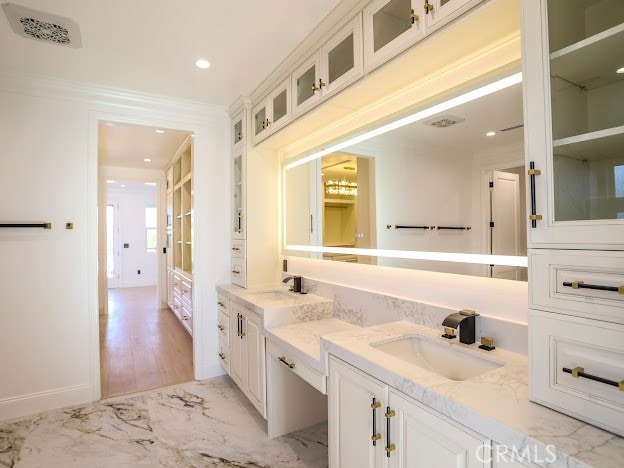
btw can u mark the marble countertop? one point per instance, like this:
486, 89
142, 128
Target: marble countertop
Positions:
494, 404
303, 340
278, 305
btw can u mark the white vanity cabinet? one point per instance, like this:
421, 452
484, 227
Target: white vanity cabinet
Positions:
247, 354
239, 131
374, 425
238, 195
389, 27
271, 114
574, 101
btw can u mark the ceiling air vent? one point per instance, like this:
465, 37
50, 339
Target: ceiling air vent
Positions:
33, 24
443, 121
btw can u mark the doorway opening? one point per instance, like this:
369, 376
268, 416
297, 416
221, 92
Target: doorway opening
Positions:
144, 343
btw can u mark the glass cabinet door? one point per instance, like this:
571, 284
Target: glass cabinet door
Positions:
573, 73
438, 12
390, 26
306, 85
341, 58
238, 197
238, 131
587, 108
260, 120
279, 103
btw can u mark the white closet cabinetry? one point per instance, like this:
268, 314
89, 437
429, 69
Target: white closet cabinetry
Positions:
374, 425
273, 113
391, 26
573, 99
338, 64
574, 105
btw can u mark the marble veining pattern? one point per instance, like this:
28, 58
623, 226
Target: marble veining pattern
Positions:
207, 424
494, 404
366, 308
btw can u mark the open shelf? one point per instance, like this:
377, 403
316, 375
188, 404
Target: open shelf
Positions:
183, 208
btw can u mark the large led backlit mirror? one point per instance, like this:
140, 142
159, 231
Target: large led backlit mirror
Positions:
442, 189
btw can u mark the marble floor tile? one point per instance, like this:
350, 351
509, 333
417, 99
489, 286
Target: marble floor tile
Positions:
197, 424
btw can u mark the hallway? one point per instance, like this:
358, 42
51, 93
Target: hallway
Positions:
141, 346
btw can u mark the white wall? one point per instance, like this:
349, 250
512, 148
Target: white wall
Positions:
48, 146
131, 204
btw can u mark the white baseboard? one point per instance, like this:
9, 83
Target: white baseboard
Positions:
32, 403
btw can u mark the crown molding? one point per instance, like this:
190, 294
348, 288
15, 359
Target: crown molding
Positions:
56, 88
332, 23
243, 102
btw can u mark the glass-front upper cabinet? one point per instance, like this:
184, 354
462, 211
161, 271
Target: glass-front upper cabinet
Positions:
272, 113
238, 130
306, 85
341, 58
238, 196
574, 84
391, 26
439, 12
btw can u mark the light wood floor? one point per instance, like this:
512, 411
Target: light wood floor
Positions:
141, 346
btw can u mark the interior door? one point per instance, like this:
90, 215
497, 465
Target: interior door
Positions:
505, 223
112, 245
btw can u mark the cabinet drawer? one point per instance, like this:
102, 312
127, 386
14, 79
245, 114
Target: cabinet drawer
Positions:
177, 307
239, 272
584, 283
224, 356
224, 328
187, 291
223, 302
238, 248
313, 377
562, 345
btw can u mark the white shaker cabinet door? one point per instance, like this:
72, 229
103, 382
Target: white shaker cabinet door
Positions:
353, 422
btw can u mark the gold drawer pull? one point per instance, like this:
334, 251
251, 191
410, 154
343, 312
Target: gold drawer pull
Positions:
580, 372
222, 356
283, 360
597, 287
221, 327
390, 448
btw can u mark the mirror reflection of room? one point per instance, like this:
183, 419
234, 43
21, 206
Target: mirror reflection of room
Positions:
453, 182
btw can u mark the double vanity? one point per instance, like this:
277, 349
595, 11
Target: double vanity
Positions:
394, 394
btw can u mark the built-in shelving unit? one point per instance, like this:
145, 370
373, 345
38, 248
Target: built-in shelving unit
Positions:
180, 233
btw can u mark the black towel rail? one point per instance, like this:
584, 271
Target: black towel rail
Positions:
454, 228
26, 225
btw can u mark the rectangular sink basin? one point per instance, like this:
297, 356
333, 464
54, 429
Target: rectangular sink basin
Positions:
273, 296
449, 361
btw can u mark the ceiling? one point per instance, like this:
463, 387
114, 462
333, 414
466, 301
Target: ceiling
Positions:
117, 186
494, 112
128, 145
152, 45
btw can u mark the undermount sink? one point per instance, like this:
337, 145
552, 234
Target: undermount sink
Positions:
273, 296
448, 361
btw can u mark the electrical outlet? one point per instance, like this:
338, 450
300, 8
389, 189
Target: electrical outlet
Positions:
138, 272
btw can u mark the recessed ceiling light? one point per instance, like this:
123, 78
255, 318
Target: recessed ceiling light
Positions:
147, 160
150, 183
110, 181
122, 185
620, 70
490, 134
160, 131
201, 63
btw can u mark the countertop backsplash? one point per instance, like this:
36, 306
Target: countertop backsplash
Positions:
366, 308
